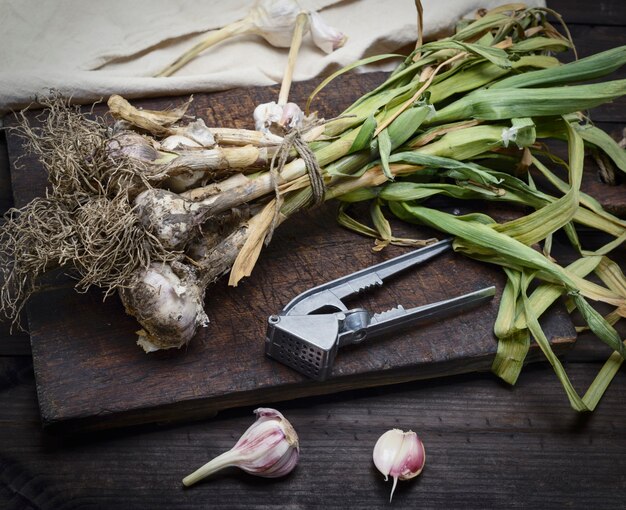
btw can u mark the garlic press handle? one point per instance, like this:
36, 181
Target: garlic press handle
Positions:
398, 318
330, 295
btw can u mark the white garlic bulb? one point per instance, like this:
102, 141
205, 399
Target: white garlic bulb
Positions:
277, 119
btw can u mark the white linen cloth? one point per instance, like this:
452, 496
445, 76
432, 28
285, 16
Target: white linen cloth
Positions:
90, 49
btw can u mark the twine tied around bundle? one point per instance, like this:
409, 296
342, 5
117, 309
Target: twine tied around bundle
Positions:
294, 140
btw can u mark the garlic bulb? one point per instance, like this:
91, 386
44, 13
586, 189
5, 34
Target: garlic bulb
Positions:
171, 218
129, 144
399, 454
269, 448
274, 20
167, 300
277, 119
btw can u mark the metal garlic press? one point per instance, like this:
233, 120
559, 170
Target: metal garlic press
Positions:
307, 333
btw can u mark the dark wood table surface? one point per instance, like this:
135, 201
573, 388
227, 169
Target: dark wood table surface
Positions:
488, 445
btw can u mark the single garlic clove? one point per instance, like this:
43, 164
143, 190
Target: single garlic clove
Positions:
269, 448
325, 37
399, 454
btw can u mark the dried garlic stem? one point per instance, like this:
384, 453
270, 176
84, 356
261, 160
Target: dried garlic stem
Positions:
203, 160
188, 167
154, 121
217, 36
232, 136
214, 188
296, 41
173, 219
221, 258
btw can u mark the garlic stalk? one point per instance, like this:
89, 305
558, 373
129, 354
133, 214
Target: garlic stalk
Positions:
283, 116
269, 448
239, 137
273, 20
191, 164
296, 40
162, 124
182, 163
399, 454
174, 219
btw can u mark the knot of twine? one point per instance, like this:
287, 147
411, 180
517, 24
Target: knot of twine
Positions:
314, 171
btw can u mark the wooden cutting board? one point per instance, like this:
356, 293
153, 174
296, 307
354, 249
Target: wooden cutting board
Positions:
90, 374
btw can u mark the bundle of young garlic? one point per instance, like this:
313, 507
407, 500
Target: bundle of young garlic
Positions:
464, 117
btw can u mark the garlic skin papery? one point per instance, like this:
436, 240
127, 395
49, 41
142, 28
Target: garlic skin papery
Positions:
128, 144
269, 448
183, 181
177, 142
399, 454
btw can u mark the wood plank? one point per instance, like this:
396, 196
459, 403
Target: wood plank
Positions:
79, 342
581, 12
592, 39
488, 446
14, 344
